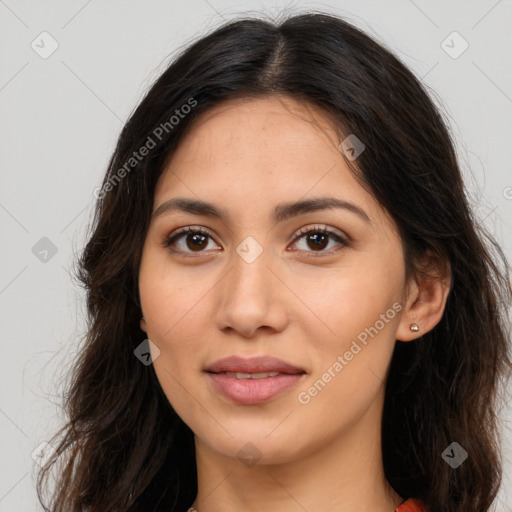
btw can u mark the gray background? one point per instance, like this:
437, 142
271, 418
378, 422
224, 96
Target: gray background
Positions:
59, 120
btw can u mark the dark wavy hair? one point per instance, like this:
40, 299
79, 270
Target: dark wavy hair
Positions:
124, 448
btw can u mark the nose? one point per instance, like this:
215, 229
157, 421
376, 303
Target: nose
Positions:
252, 297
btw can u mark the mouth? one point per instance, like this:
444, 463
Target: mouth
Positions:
244, 376
253, 381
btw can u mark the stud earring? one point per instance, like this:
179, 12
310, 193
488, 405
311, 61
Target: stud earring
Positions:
414, 327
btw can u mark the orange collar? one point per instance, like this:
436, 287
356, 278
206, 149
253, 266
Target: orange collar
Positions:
412, 505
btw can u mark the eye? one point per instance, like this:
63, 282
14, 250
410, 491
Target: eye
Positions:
317, 239
194, 239
188, 240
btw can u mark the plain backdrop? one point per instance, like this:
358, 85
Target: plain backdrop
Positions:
70, 74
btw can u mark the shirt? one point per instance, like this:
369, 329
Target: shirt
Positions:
412, 505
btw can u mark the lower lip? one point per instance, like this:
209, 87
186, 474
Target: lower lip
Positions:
253, 391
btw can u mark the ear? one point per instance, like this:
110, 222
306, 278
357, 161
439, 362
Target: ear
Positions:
143, 324
426, 296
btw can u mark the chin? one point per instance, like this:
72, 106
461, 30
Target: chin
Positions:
256, 448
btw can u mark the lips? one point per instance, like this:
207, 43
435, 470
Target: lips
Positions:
253, 365
253, 381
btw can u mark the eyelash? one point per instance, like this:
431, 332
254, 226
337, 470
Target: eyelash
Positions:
168, 240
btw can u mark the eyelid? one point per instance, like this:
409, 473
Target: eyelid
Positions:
167, 238
342, 240
321, 228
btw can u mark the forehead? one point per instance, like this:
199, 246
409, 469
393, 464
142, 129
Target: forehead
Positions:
259, 137
260, 118
261, 151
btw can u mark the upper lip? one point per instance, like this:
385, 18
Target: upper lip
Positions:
259, 364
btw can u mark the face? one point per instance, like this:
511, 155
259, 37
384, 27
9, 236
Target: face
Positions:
319, 288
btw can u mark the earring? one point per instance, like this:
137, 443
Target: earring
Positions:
414, 327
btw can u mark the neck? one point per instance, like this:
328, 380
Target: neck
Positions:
337, 475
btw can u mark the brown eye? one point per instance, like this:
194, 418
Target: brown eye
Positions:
317, 239
196, 241
188, 240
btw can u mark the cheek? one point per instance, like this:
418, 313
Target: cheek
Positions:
362, 312
174, 305
173, 300
350, 366
353, 300
174, 326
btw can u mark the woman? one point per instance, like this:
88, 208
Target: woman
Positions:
291, 305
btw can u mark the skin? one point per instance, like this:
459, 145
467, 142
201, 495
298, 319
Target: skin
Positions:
296, 301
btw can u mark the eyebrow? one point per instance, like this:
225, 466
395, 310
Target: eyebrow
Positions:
280, 212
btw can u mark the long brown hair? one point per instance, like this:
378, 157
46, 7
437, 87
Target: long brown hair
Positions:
124, 447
